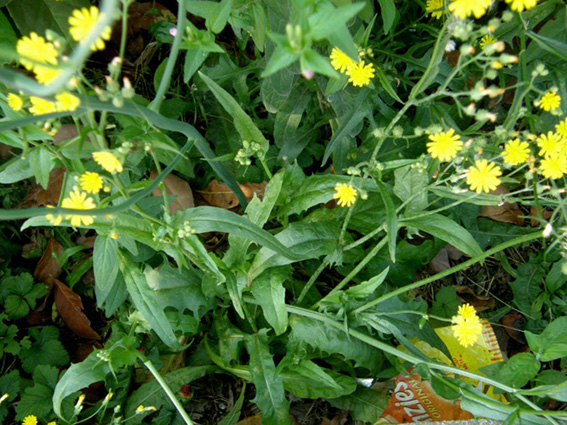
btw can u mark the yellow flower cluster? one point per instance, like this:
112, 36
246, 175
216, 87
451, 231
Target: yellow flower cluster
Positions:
83, 22
467, 327
463, 9
359, 74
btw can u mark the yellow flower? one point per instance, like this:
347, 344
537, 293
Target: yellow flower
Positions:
521, 5
52, 423
466, 311
15, 102
30, 420
435, 8
561, 129
91, 182
345, 193
553, 166
140, 409
55, 220
41, 106
549, 101
78, 201
444, 145
467, 327
464, 8
549, 143
340, 60
486, 40
360, 75
45, 74
82, 23
35, 48
67, 102
108, 161
483, 177
516, 152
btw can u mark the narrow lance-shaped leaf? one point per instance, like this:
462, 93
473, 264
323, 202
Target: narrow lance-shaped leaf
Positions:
243, 123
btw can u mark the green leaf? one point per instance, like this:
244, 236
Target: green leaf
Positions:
16, 307
270, 396
180, 289
367, 288
152, 394
215, 14
446, 303
306, 240
327, 19
385, 83
332, 341
550, 45
388, 9
41, 164
365, 404
280, 59
36, 399
356, 114
315, 190
447, 230
260, 25
146, 302
8, 39
258, 212
410, 186
46, 349
210, 219
194, 58
78, 376
518, 370
243, 123
41, 15
268, 290
17, 170
308, 380
9, 384
551, 344
105, 266
313, 61
391, 220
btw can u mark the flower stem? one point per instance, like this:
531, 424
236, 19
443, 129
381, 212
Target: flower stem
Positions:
169, 393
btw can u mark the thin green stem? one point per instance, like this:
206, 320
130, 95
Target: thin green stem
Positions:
166, 78
169, 393
354, 271
312, 280
458, 267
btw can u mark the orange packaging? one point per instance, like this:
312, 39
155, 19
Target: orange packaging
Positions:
413, 400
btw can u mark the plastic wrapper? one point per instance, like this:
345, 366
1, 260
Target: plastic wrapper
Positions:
413, 400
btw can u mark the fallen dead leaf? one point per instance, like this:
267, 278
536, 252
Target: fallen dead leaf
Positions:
38, 196
545, 214
218, 194
507, 212
48, 267
513, 322
252, 420
178, 187
479, 302
70, 306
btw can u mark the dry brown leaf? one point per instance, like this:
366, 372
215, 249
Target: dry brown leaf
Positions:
479, 302
513, 323
218, 194
70, 306
178, 187
38, 196
48, 267
507, 212
252, 420
545, 214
